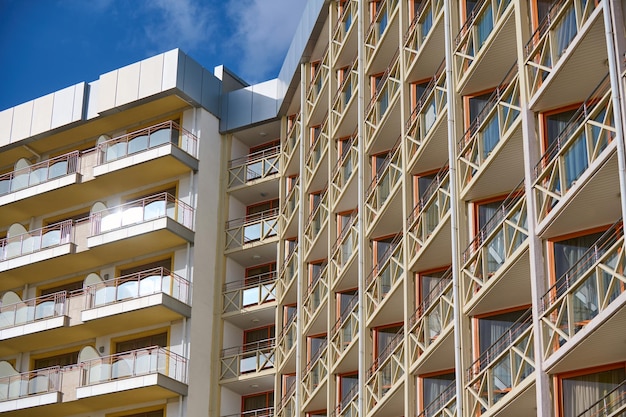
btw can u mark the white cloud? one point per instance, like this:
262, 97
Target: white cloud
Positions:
262, 33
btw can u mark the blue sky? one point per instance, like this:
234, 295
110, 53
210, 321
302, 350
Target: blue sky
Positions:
46, 45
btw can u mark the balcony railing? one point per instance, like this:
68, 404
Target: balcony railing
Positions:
386, 91
555, 33
431, 317
344, 24
421, 26
318, 81
429, 212
286, 340
255, 166
316, 295
259, 412
134, 363
291, 201
384, 276
318, 149
346, 245
387, 369
347, 164
502, 367
34, 309
149, 138
485, 16
251, 357
39, 173
580, 143
253, 291
585, 290
613, 404
349, 404
316, 371
257, 227
40, 381
493, 124
428, 110
495, 243
378, 26
442, 406
288, 272
287, 406
388, 177
317, 219
346, 328
348, 89
293, 136
37, 240
140, 211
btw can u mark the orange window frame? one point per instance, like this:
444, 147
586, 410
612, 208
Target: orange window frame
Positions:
309, 353
420, 384
318, 262
476, 327
271, 269
375, 243
374, 80
475, 210
286, 309
543, 123
340, 377
264, 146
270, 329
413, 90
419, 292
342, 217
416, 190
315, 131
374, 162
467, 122
269, 399
376, 332
274, 203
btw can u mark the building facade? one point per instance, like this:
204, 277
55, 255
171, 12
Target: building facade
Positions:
421, 216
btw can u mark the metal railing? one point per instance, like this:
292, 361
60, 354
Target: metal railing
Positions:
39, 173
378, 26
348, 405
345, 246
257, 227
149, 138
316, 221
317, 150
286, 340
316, 294
316, 371
134, 363
386, 91
288, 272
251, 357
348, 89
34, 309
386, 370
253, 291
346, 328
255, 166
40, 381
259, 412
613, 404
442, 406
384, 185
384, 275
421, 26
292, 200
37, 240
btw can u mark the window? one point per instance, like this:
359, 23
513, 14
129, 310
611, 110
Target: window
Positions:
421, 183
492, 327
417, 91
65, 359
344, 145
259, 208
430, 282
258, 284
155, 413
345, 302
553, 124
315, 346
539, 12
342, 75
468, 8
344, 222
288, 384
381, 94
490, 136
382, 250
260, 401
315, 272
69, 287
383, 338
347, 388
581, 390
259, 338
159, 339
261, 221
433, 385
164, 263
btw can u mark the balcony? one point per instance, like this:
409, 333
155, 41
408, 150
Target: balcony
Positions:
383, 394
315, 380
496, 263
381, 37
251, 293
22, 391
287, 406
443, 406
424, 41
259, 412
343, 113
429, 233
585, 307
426, 140
253, 170
291, 146
580, 163
344, 354
315, 304
150, 374
318, 87
343, 252
485, 47
285, 288
613, 404
493, 144
316, 159
315, 244
289, 210
383, 208
252, 231
564, 51
381, 299
507, 366
430, 329
343, 186
382, 112
349, 404
285, 352
344, 34
248, 361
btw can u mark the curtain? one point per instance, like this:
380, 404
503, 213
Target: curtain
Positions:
581, 392
484, 26
434, 386
565, 31
490, 136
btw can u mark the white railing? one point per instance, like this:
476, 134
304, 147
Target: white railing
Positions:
253, 291
442, 406
387, 369
421, 26
257, 227
39, 173
255, 166
251, 357
25, 384
34, 309
388, 178
384, 276
37, 240
346, 328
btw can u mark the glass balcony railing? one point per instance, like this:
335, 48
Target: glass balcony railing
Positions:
433, 315
290, 207
555, 33
37, 240
590, 130
134, 363
495, 243
316, 295
472, 37
613, 404
318, 149
316, 371
251, 357
428, 110
259, 412
585, 290
149, 138
293, 136
378, 27
388, 176
139, 211
34, 309
348, 405
316, 221
255, 166
387, 369
346, 328
133, 286
386, 91
421, 26
257, 227
346, 245
384, 276
492, 125
39, 173
286, 340
442, 406
349, 88
253, 291
502, 367
429, 212
288, 272
25, 384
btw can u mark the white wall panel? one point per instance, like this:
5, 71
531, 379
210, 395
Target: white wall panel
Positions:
192, 81
6, 122
22, 118
151, 76
239, 105
42, 114
170, 69
65, 106
93, 91
264, 103
127, 84
107, 88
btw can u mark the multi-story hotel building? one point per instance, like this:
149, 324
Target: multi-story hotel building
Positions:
421, 216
